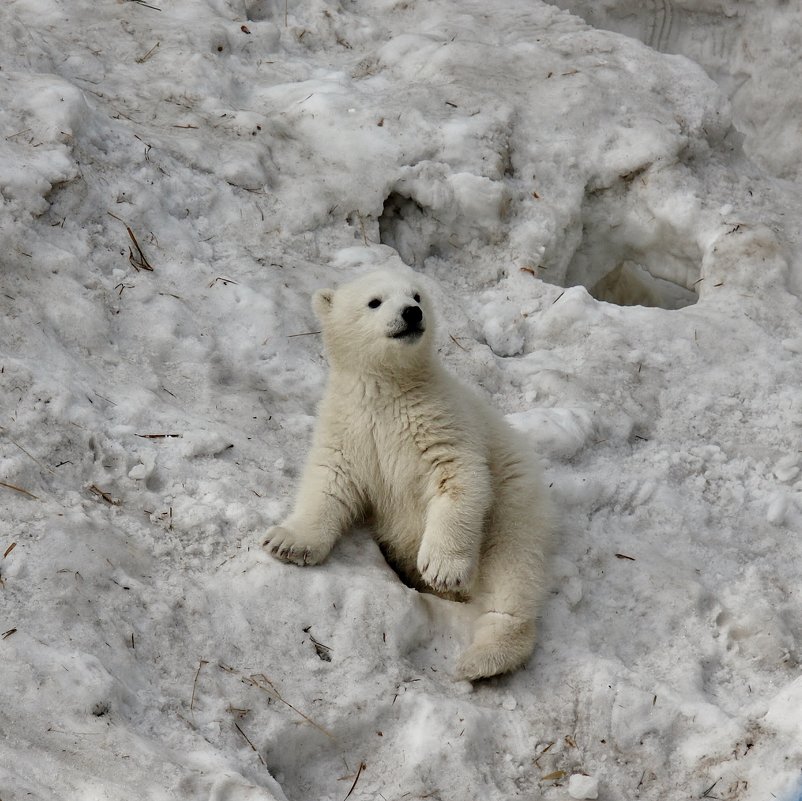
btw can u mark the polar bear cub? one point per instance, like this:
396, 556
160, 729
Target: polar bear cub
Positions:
456, 497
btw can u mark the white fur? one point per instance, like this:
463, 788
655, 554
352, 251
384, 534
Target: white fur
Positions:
456, 497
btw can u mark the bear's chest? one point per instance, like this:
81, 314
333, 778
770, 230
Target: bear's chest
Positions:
392, 437
385, 442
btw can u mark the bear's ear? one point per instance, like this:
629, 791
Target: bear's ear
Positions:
321, 303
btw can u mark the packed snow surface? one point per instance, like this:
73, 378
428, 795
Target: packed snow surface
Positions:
178, 176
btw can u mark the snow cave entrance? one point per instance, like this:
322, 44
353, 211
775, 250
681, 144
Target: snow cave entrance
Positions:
630, 282
406, 227
632, 259
621, 254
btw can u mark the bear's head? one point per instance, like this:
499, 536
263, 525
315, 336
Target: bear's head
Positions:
380, 321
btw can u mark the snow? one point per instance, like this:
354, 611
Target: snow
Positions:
581, 786
611, 234
748, 51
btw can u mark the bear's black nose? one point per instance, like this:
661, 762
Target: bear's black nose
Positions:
412, 315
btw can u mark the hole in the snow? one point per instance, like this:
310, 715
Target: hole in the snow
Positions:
405, 226
258, 10
616, 272
629, 257
631, 284
100, 709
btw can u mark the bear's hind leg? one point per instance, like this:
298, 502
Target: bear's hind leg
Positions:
511, 582
501, 643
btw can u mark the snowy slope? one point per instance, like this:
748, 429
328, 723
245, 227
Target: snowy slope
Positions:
542, 175
750, 47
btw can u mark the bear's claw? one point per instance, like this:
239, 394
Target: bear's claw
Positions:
446, 572
284, 544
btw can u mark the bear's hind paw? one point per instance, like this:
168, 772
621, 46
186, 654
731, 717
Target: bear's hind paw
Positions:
481, 662
502, 642
284, 544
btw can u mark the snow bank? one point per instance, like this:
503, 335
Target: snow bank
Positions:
749, 48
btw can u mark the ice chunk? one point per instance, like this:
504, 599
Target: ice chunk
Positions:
582, 786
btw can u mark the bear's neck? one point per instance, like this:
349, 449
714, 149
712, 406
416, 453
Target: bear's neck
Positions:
387, 381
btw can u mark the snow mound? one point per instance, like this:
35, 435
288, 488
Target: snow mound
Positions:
748, 52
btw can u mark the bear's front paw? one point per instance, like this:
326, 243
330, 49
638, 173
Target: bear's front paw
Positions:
445, 571
287, 545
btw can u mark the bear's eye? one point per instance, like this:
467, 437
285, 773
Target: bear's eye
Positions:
416, 297
375, 303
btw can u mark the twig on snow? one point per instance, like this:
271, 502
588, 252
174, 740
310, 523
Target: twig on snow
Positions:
143, 59
138, 261
226, 281
201, 663
29, 455
18, 489
259, 681
248, 740
356, 779
104, 495
323, 651
456, 342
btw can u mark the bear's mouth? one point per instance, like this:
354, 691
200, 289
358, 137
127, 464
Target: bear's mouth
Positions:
410, 332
